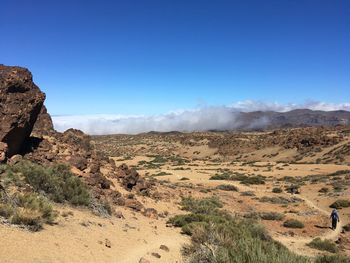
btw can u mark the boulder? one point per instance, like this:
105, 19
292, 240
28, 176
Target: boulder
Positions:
132, 180
3, 151
133, 204
20, 104
78, 162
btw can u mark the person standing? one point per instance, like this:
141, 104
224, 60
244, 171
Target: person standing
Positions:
335, 218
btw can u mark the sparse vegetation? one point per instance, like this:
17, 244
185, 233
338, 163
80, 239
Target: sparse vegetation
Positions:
216, 236
57, 182
278, 200
323, 245
324, 190
227, 187
277, 190
161, 174
293, 223
340, 203
332, 259
242, 178
271, 216
31, 210
347, 227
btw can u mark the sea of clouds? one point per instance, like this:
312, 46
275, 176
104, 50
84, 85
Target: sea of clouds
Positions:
200, 119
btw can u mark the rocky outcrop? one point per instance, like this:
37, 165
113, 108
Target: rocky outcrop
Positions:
131, 180
20, 104
26, 128
43, 124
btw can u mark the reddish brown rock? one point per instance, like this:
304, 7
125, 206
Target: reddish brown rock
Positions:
151, 213
3, 151
133, 204
78, 162
164, 247
143, 260
131, 180
20, 104
43, 124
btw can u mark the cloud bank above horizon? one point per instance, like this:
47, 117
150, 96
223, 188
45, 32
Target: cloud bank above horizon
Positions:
199, 119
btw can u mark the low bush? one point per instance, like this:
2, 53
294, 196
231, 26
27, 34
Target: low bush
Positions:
216, 236
30, 209
332, 259
293, 223
341, 203
227, 187
278, 200
222, 176
271, 216
323, 245
199, 206
277, 190
347, 227
57, 182
248, 193
161, 174
242, 178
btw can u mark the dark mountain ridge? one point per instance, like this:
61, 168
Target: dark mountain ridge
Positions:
291, 119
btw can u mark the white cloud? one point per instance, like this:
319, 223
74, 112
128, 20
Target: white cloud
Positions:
206, 118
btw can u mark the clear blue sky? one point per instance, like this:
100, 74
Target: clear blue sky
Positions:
149, 57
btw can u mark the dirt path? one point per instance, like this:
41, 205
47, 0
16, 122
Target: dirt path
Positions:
299, 244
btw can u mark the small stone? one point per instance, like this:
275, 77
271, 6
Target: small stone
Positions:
143, 260
119, 214
156, 255
164, 247
108, 243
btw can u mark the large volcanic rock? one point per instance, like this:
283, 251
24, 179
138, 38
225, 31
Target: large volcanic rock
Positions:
43, 124
20, 103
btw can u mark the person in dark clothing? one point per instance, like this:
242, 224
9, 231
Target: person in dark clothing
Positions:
335, 218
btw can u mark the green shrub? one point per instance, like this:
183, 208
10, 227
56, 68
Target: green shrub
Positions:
161, 174
206, 205
6, 210
57, 182
271, 216
323, 245
29, 209
347, 227
247, 193
227, 187
293, 189
222, 176
332, 259
341, 203
242, 178
217, 236
277, 190
278, 200
293, 223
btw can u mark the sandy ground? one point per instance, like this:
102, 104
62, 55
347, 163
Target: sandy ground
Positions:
83, 237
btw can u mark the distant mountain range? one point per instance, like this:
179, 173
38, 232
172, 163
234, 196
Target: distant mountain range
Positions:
296, 118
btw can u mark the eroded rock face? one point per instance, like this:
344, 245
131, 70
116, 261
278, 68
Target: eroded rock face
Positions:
43, 124
20, 104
